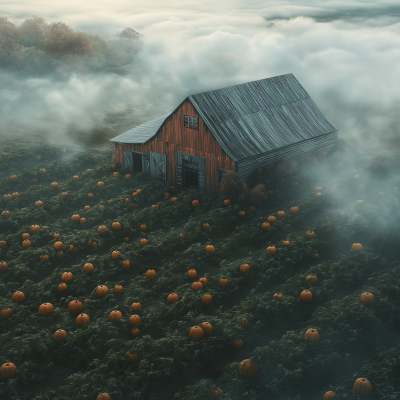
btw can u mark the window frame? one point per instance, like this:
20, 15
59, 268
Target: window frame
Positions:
191, 122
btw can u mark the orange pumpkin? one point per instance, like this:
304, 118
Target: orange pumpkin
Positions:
82, 319
271, 219
75, 217
362, 387
214, 393
207, 327
134, 320
115, 316
243, 322
278, 296
294, 210
172, 298
35, 228
86, 208
182, 236
54, 185
286, 243
88, 267
280, 214
56, 236
144, 242
210, 249
238, 343
60, 335
44, 258
5, 313
58, 245
206, 225
197, 286
242, 213
356, 247
196, 333
195, 203
26, 236
311, 279
5, 214
203, 280
329, 395
150, 273
115, 255
8, 370
248, 368
99, 184
310, 234
227, 202
67, 277
3, 265
26, 244
206, 299
367, 298
126, 264
192, 273
62, 287
311, 336
15, 195
306, 296
18, 297
102, 230
116, 226
102, 291
14, 178
223, 282
118, 289
131, 358
271, 250
245, 268
136, 306
265, 225
90, 195
135, 332
75, 306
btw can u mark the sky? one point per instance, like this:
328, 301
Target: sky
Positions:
345, 54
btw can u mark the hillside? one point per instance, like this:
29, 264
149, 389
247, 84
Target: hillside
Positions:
344, 198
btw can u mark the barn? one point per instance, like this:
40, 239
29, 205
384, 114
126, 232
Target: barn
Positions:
240, 128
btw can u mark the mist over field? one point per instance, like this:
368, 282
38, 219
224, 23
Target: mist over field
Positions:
345, 54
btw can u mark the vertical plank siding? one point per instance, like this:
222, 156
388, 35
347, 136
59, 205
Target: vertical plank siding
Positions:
173, 137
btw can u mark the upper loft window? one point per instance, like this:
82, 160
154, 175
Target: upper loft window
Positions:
191, 122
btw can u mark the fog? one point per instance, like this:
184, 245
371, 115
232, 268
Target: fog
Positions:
345, 54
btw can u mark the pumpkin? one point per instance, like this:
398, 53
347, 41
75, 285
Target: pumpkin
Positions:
82, 319
294, 210
206, 299
82, 220
5, 214
3, 243
278, 296
86, 208
94, 244
126, 239
271, 250
127, 200
248, 368
136, 306
192, 273
56, 236
206, 225
67, 276
99, 184
227, 202
5, 313
58, 245
280, 214
60, 335
356, 247
7, 197
134, 320
306, 296
46, 309
132, 357
245, 268
143, 242
242, 213
172, 298
15, 195
102, 230
135, 332
197, 286
139, 191
54, 185
150, 273
101, 208
88, 267
210, 249
75, 217
116, 226
115, 255
329, 395
126, 264
14, 178
118, 289
207, 327
286, 243
315, 256
90, 195
44, 258
203, 280
38, 158
311, 279
174, 199
243, 322
196, 333
367, 298
8, 370
26, 236
271, 219
115, 316
238, 343
311, 336
62, 287
128, 176
182, 236
102, 291
60, 253
63, 193
223, 282
214, 393
35, 228
154, 206
42, 171
265, 225
26, 244
318, 194
75, 306
310, 234
362, 387
3, 265
116, 173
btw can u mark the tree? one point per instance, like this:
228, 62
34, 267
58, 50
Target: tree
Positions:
129, 43
33, 29
62, 42
9, 35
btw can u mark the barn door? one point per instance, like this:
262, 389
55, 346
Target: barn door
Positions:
178, 169
146, 163
158, 166
202, 173
128, 159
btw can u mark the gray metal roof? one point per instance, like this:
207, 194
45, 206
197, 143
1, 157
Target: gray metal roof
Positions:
251, 118
142, 133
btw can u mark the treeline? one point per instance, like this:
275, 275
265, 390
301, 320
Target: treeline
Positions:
38, 46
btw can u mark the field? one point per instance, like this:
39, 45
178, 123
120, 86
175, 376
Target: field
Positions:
155, 358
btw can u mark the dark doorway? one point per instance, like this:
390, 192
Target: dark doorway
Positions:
190, 174
137, 162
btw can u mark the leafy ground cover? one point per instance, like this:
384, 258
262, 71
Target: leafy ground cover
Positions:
356, 339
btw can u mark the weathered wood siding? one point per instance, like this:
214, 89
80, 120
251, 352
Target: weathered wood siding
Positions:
173, 137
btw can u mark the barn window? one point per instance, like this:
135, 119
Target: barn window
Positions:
191, 122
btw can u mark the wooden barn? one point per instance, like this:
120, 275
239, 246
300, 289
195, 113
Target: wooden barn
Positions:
241, 128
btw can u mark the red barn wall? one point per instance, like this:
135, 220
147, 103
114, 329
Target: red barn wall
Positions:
173, 137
